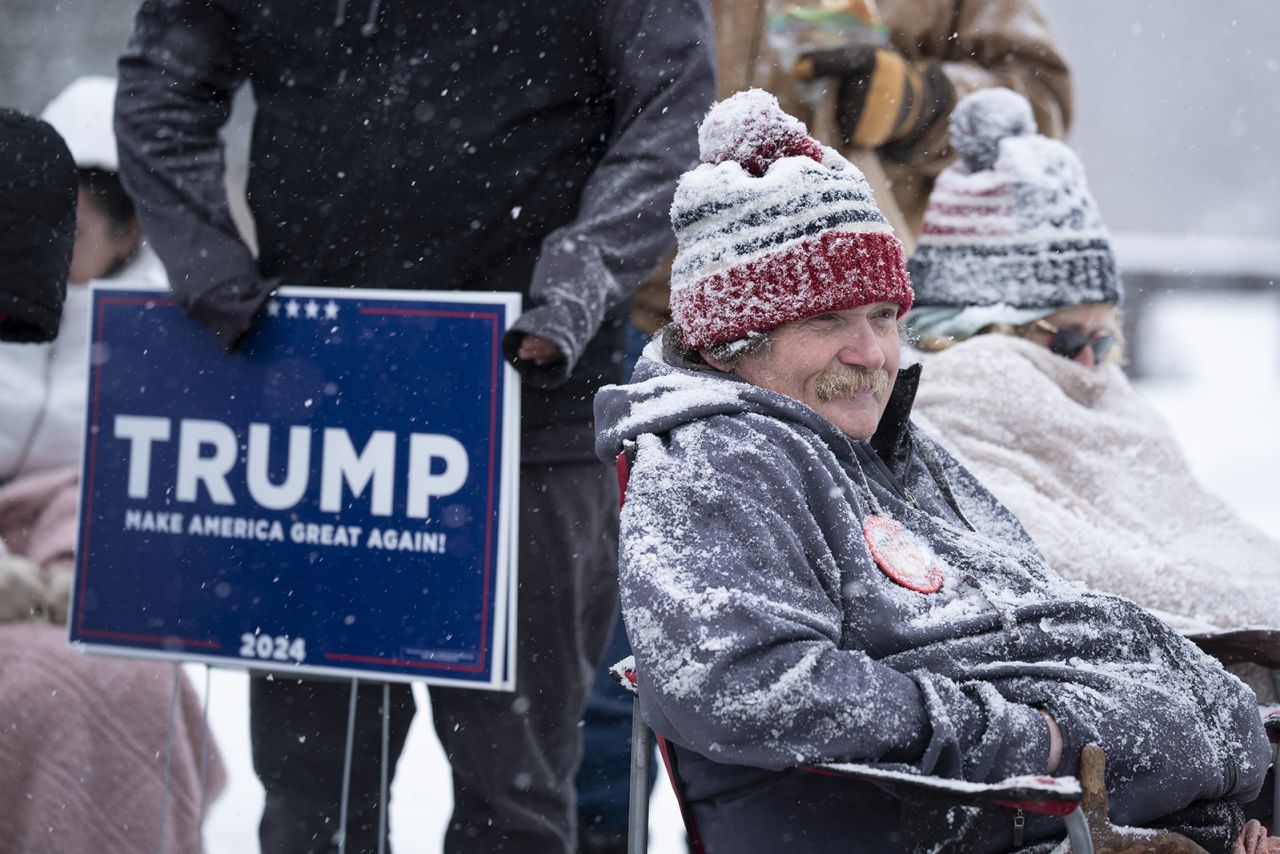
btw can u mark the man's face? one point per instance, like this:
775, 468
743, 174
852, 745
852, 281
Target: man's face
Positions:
843, 364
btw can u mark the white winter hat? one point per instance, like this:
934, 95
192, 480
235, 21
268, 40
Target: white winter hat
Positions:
82, 115
1011, 222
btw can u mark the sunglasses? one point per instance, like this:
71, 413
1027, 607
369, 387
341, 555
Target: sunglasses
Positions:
1068, 342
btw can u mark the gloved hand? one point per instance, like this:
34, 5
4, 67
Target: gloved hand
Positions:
58, 595
232, 309
882, 98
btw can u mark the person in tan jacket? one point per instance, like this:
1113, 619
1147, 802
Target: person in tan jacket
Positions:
888, 105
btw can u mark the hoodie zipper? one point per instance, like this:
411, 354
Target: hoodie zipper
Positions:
902, 490
897, 485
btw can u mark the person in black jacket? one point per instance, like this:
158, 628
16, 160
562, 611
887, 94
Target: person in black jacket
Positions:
446, 145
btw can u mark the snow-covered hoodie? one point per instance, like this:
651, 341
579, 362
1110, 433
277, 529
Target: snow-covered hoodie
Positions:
767, 636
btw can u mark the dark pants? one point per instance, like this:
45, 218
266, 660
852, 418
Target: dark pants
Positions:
513, 755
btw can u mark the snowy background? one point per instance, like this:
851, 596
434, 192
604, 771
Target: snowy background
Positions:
1178, 110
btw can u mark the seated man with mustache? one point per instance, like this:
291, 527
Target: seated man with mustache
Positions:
807, 578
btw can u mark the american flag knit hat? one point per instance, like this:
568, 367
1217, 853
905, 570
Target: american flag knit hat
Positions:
1011, 222
774, 227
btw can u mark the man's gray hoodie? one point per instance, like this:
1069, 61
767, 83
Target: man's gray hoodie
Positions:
767, 636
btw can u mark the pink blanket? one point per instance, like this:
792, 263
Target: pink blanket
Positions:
82, 748
83, 739
38, 516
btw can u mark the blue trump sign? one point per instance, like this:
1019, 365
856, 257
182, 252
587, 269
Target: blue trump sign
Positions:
337, 496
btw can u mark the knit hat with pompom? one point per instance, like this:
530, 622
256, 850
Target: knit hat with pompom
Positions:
774, 227
1011, 222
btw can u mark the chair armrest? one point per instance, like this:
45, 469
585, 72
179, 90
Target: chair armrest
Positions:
1271, 722
1032, 793
1247, 645
624, 673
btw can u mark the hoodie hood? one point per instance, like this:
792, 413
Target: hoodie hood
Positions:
662, 397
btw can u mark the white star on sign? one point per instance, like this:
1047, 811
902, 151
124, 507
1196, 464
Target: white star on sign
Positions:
330, 310
313, 309
273, 308
291, 308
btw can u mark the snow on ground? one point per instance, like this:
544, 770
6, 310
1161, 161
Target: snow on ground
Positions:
421, 797
1215, 375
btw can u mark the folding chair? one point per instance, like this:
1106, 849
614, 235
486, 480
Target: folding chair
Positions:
1059, 796
1260, 646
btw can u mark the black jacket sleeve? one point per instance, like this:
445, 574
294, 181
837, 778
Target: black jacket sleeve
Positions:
177, 77
660, 56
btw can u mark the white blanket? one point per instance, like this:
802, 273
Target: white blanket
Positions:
43, 387
1098, 479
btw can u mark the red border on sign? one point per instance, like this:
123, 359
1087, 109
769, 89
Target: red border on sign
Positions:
91, 459
488, 535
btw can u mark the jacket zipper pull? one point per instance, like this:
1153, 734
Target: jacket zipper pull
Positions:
1019, 822
911, 499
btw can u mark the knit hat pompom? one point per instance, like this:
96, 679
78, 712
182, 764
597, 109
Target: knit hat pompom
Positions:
751, 129
983, 119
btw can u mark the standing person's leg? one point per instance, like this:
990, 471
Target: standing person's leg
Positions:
514, 755
299, 734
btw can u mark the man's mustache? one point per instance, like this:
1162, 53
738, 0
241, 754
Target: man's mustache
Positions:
849, 380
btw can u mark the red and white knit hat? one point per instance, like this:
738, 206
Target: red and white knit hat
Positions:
774, 227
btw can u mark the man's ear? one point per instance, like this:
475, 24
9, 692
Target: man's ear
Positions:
722, 367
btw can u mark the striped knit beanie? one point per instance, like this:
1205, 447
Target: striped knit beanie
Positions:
1011, 222
774, 227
